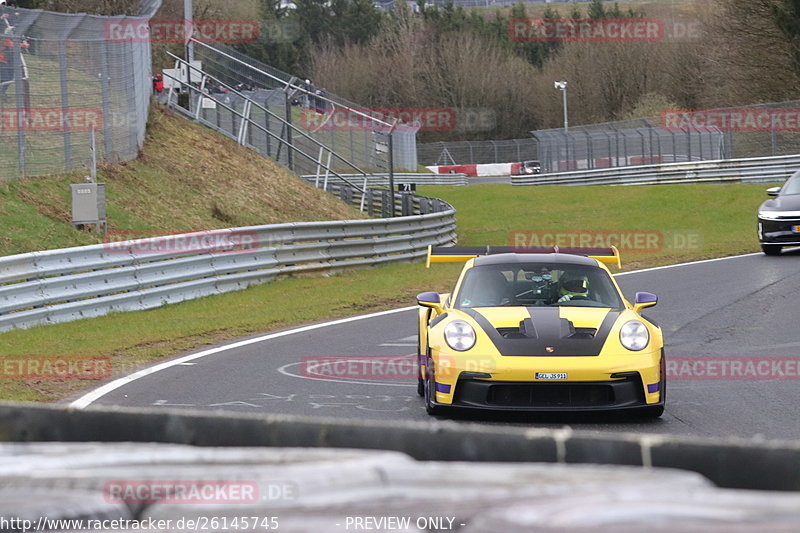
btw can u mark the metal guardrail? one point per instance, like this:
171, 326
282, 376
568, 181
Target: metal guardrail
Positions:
750, 170
382, 180
72, 283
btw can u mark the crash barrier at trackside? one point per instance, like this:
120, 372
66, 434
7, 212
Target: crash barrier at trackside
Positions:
175, 487
489, 169
732, 463
382, 180
72, 283
750, 170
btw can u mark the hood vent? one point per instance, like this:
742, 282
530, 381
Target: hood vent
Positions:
527, 330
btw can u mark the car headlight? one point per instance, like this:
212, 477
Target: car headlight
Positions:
770, 215
459, 335
634, 335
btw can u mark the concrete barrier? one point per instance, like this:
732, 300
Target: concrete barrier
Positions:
732, 463
323, 490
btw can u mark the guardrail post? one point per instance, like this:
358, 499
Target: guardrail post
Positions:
407, 205
346, 194
387, 204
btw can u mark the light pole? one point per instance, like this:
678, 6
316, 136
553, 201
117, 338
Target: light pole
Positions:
562, 86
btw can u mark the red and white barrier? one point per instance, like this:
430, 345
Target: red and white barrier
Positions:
494, 169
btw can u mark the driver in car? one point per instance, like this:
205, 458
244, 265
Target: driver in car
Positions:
573, 287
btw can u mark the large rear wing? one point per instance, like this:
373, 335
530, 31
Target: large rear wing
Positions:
460, 254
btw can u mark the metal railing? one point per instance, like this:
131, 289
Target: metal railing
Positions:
750, 170
244, 124
315, 111
382, 180
72, 283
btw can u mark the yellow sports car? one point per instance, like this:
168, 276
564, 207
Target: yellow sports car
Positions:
541, 330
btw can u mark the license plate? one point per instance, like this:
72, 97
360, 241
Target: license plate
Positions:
551, 375
796, 229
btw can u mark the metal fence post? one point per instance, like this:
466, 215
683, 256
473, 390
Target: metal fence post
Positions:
133, 105
689, 142
266, 135
390, 155
62, 64
774, 139
290, 146
20, 88
104, 79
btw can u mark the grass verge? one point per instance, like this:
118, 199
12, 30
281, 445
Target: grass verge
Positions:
723, 216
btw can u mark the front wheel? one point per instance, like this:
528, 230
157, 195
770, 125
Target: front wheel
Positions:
771, 249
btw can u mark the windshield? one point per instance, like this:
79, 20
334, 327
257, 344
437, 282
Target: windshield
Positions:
792, 185
537, 285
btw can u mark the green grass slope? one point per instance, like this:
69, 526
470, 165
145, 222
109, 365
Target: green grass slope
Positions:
187, 178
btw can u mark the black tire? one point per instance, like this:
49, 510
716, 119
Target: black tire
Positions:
430, 387
421, 387
771, 249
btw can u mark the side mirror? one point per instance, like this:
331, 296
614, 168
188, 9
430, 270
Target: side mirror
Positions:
644, 300
430, 300
773, 191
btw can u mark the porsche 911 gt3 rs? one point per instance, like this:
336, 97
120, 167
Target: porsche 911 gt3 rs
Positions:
538, 330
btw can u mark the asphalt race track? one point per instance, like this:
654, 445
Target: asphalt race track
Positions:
742, 306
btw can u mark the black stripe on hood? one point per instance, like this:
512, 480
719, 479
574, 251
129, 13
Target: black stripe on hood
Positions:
549, 330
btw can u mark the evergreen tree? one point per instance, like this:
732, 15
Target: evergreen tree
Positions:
597, 10
787, 18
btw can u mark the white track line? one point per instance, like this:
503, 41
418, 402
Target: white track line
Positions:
89, 398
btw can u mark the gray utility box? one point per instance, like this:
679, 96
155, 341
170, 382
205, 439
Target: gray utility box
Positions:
89, 204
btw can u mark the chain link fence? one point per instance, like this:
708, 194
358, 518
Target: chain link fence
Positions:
677, 136
477, 152
626, 143
63, 77
322, 122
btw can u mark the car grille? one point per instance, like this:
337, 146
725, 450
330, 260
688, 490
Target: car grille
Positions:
546, 395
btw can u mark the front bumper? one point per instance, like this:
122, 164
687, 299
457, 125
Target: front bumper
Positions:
539, 396
780, 231
506, 383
